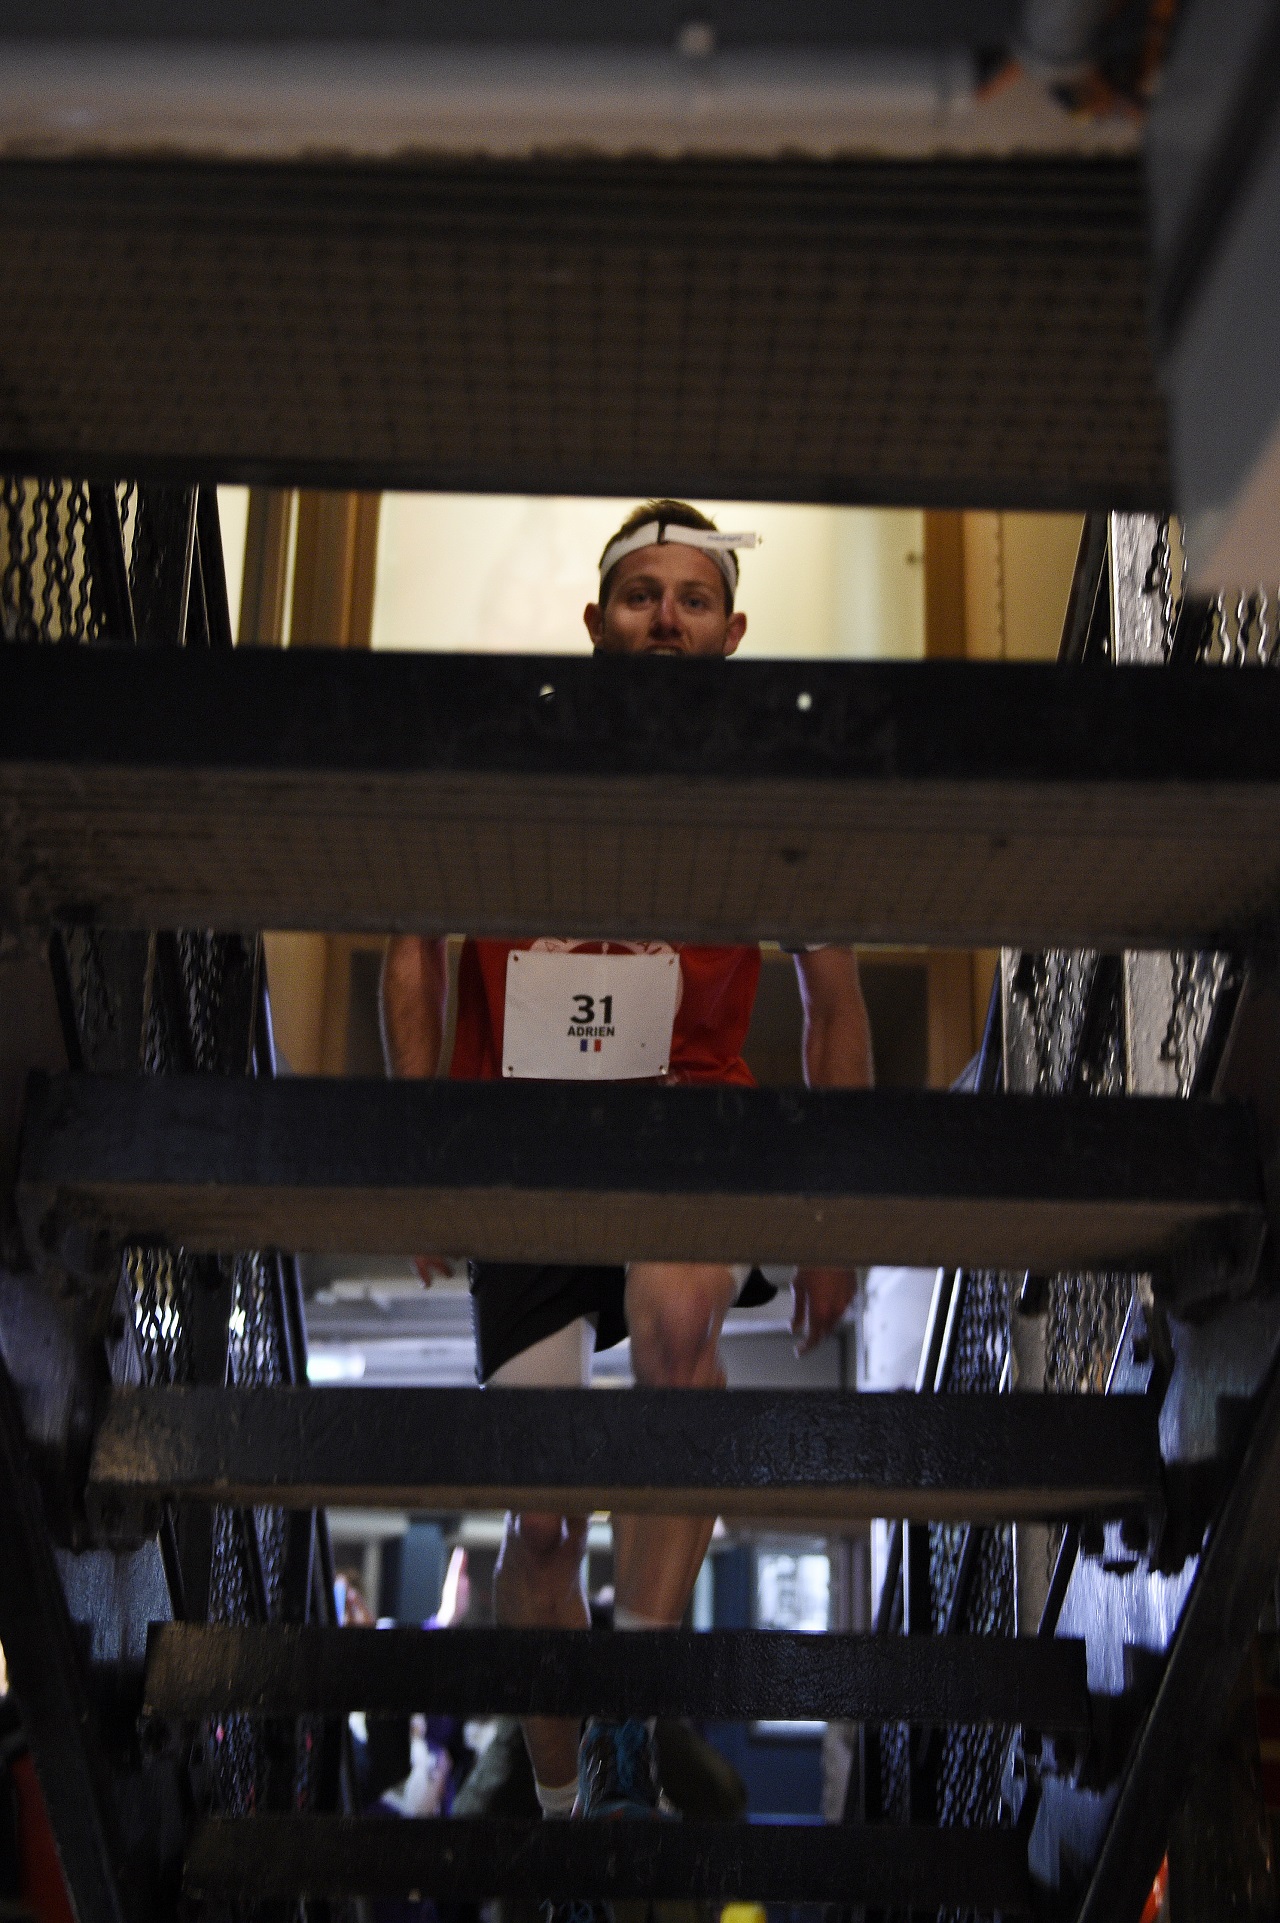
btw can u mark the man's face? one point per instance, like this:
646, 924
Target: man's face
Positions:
665, 599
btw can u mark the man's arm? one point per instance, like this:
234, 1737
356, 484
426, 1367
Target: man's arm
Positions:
837, 1034
413, 996
837, 1054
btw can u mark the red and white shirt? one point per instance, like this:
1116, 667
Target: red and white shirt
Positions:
714, 993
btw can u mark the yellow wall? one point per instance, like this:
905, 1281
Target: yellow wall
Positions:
1000, 595
297, 966
1017, 576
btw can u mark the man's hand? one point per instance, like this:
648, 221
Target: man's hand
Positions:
819, 1297
431, 1268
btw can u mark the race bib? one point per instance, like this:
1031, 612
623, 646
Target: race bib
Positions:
573, 1017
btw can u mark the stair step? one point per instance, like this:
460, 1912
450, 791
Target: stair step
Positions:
945, 803
462, 1860
560, 325
761, 1452
558, 1171
195, 1670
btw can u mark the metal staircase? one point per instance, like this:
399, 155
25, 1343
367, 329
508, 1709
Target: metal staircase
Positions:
1085, 1478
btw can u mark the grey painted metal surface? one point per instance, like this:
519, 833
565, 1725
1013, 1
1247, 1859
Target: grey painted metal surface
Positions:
1141, 614
1214, 169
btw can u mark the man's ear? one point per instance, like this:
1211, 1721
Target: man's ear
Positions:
734, 631
593, 616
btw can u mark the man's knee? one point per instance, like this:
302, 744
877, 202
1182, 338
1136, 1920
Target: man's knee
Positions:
674, 1315
541, 1553
545, 1538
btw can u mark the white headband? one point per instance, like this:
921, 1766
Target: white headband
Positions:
719, 546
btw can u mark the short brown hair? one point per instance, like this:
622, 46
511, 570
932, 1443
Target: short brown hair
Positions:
666, 514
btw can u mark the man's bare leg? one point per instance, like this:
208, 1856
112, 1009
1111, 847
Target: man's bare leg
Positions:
538, 1583
675, 1312
538, 1580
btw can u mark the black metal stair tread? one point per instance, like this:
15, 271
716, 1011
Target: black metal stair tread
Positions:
549, 370
948, 803
197, 1670
541, 1171
466, 1860
755, 1452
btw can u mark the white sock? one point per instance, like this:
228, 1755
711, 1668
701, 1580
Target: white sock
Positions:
557, 1802
624, 1618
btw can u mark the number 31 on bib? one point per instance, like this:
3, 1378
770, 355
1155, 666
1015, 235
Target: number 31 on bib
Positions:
589, 1018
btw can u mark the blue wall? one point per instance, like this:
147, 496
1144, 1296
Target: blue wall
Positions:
413, 1573
783, 1776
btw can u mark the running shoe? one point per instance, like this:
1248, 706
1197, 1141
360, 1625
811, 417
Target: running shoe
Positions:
577, 1909
618, 1769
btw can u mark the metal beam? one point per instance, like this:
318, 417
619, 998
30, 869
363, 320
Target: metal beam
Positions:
195, 1671
528, 1171
700, 1452
941, 802
502, 80
465, 1860
505, 23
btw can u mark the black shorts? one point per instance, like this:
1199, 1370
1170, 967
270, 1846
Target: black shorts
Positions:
515, 1304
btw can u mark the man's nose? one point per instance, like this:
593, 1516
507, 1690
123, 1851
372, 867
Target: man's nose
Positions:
668, 612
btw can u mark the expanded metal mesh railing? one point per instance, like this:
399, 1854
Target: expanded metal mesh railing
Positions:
134, 565
1069, 1022
49, 573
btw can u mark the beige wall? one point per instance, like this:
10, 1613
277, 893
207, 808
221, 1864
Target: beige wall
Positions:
460, 571
233, 517
511, 575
